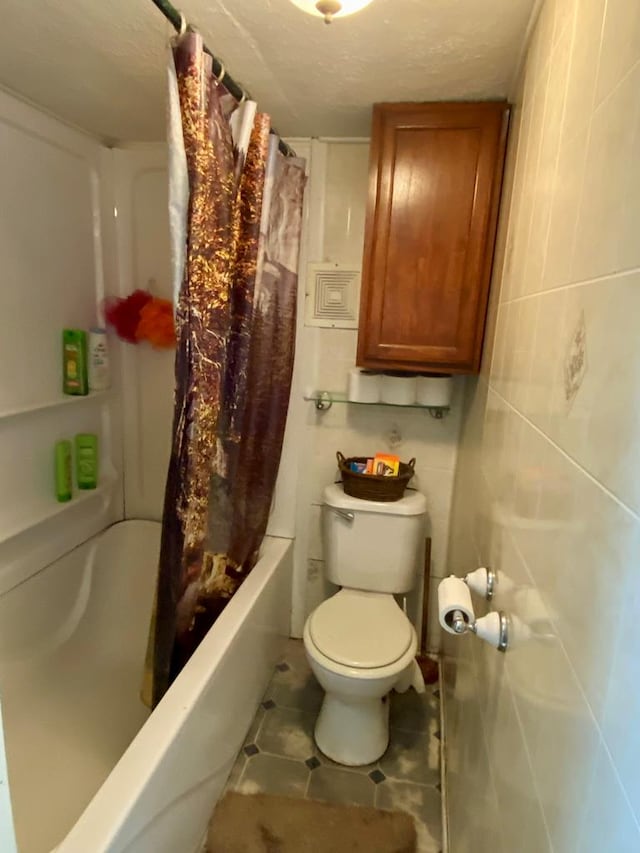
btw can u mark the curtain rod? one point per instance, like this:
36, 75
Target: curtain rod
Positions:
178, 22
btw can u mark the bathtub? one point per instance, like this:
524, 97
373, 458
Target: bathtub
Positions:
90, 769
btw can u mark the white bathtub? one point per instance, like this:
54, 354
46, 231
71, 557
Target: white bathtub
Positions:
72, 644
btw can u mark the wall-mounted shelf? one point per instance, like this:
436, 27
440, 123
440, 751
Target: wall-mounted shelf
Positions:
59, 402
48, 507
325, 399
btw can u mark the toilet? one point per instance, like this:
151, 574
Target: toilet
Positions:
360, 643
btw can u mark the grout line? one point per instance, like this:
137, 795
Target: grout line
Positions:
280, 755
242, 772
541, 90
623, 788
571, 285
568, 457
444, 811
305, 796
587, 147
560, 140
598, 104
260, 724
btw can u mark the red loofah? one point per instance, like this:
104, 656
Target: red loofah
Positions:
124, 314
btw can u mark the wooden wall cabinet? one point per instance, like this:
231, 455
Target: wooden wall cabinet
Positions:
434, 191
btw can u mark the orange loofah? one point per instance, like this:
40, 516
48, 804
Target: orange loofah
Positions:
156, 324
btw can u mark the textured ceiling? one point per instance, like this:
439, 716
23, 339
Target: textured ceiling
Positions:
100, 65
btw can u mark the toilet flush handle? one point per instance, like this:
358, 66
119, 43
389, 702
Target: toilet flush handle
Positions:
343, 513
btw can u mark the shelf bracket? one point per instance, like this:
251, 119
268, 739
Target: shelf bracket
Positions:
323, 401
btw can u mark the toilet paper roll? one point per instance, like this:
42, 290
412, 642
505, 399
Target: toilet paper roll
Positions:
453, 594
434, 390
397, 389
363, 386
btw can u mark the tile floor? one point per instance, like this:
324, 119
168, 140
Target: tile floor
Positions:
280, 757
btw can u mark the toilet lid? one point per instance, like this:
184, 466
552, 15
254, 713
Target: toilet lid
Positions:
360, 629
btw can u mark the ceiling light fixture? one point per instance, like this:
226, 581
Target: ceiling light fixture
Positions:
330, 9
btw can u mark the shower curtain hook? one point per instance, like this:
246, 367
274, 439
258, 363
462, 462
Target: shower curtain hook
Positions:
222, 72
183, 25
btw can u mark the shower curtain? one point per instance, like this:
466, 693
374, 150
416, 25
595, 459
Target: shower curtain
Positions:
236, 218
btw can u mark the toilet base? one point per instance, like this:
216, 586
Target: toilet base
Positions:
353, 731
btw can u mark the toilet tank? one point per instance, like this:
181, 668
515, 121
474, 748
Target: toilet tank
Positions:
372, 545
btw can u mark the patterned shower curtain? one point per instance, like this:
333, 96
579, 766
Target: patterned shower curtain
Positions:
236, 218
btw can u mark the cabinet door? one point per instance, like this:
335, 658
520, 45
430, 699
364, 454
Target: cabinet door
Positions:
434, 188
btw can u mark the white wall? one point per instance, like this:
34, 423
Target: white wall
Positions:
337, 196
543, 743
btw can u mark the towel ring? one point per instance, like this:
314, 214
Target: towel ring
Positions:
222, 72
183, 25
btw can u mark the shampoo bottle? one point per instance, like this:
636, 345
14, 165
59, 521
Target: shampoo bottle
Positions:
99, 375
87, 460
63, 470
74, 362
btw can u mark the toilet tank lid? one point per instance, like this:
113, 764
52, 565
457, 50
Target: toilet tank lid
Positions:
413, 503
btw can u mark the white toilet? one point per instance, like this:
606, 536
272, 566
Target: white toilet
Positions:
359, 642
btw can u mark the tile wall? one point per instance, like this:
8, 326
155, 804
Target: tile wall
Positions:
543, 742
338, 193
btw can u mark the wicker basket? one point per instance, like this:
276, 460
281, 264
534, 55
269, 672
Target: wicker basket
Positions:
373, 487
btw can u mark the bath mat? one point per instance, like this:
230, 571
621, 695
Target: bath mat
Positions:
261, 823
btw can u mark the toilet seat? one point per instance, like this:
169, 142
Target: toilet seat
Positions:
361, 629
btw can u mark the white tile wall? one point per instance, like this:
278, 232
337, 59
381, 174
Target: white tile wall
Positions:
543, 742
326, 357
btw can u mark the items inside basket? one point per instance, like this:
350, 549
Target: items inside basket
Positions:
382, 477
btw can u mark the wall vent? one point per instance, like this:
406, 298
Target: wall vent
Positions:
332, 296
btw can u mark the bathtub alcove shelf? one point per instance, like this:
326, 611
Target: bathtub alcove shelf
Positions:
48, 507
325, 399
62, 401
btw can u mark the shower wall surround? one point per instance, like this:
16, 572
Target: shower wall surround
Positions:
53, 186
543, 742
141, 225
52, 243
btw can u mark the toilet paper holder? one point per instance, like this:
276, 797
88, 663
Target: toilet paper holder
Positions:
494, 627
456, 611
483, 582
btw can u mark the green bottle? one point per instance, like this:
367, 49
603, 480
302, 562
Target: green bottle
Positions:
87, 460
74, 362
63, 470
